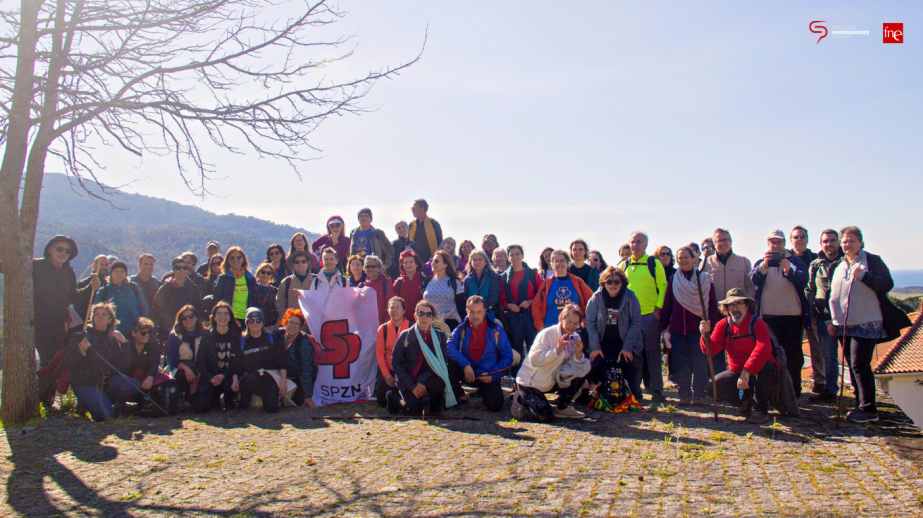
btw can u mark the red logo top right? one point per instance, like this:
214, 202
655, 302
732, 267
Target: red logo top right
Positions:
892, 33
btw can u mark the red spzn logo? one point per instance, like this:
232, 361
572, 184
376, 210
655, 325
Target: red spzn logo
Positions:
338, 347
811, 28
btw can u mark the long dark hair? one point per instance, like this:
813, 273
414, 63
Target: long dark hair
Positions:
449, 264
178, 328
543, 265
280, 249
602, 262
232, 324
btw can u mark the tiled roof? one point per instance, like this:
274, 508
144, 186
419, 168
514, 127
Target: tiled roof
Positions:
906, 353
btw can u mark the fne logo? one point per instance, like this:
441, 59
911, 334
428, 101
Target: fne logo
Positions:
812, 28
892, 33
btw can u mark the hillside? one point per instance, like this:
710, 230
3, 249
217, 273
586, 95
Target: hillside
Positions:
138, 224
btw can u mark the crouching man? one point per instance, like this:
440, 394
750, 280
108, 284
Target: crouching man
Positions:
480, 349
752, 368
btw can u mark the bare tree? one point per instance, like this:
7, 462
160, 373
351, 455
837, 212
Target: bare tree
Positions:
169, 77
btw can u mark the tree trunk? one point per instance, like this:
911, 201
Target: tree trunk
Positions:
18, 402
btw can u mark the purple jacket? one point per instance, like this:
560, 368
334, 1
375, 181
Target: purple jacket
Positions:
678, 319
341, 247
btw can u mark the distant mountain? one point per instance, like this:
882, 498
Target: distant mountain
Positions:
139, 224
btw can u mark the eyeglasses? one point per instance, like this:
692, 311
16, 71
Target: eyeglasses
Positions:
724, 240
274, 252
613, 283
62, 250
425, 314
254, 320
144, 332
372, 266
179, 268
222, 314
708, 248
216, 263
666, 254
187, 318
264, 272
303, 261
799, 237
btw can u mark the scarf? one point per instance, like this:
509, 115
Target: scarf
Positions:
237, 273
437, 363
686, 292
430, 233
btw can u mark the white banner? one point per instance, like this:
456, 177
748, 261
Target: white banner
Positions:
345, 324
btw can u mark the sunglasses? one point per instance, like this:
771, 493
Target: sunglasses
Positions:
799, 237
613, 283
264, 272
300, 262
725, 240
254, 320
62, 250
216, 263
338, 225
372, 266
186, 318
275, 252
236, 258
179, 268
144, 332
708, 248
425, 314
666, 254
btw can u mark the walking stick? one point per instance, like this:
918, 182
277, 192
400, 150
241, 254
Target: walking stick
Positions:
707, 338
86, 319
839, 398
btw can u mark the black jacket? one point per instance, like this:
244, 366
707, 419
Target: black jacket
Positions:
405, 355
85, 293
54, 289
400, 244
258, 353
207, 358
88, 370
170, 299
148, 360
878, 277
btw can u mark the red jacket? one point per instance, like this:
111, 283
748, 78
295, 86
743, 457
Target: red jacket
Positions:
749, 353
540, 306
384, 291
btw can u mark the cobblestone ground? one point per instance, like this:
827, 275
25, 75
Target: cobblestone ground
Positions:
670, 462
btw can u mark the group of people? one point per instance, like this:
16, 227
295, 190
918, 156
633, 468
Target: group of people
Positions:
225, 335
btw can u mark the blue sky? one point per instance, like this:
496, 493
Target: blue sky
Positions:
541, 122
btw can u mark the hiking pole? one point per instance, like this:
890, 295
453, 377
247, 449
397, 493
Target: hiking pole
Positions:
86, 319
839, 398
120, 373
707, 338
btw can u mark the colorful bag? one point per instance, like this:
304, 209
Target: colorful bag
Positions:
613, 394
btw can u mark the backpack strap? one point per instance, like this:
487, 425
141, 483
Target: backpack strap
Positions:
387, 324
400, 285
652, 267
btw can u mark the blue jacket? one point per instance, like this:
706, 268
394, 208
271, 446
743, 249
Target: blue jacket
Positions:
300, 357
498, 354
224, 289
129, 303
488, 287
798, 276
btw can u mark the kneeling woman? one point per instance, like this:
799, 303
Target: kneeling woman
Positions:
419, 363
555, 363
299, 353
145, 352
95, 383
254, 365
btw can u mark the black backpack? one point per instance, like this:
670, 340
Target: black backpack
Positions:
782, 397
164, 395
651, 267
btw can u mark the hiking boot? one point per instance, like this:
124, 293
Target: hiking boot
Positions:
657, 398
822, 397
861, 416
758, 416
817, 389
393, 405
517, 409
698, 401
745, 408
568, 412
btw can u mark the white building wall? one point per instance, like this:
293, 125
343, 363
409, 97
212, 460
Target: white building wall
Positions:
907, 392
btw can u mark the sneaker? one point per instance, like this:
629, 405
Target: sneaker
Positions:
517, 409
822, 397
861, 416
568, 412
758, 416
745, 408
684, 401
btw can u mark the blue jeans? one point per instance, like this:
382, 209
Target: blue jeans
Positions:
522, 328
830, 349
98, 402
690, 365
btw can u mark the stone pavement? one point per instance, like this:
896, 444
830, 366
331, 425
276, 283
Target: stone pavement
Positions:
668, 463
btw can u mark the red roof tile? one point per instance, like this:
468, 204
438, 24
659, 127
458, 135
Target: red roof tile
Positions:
904, 354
